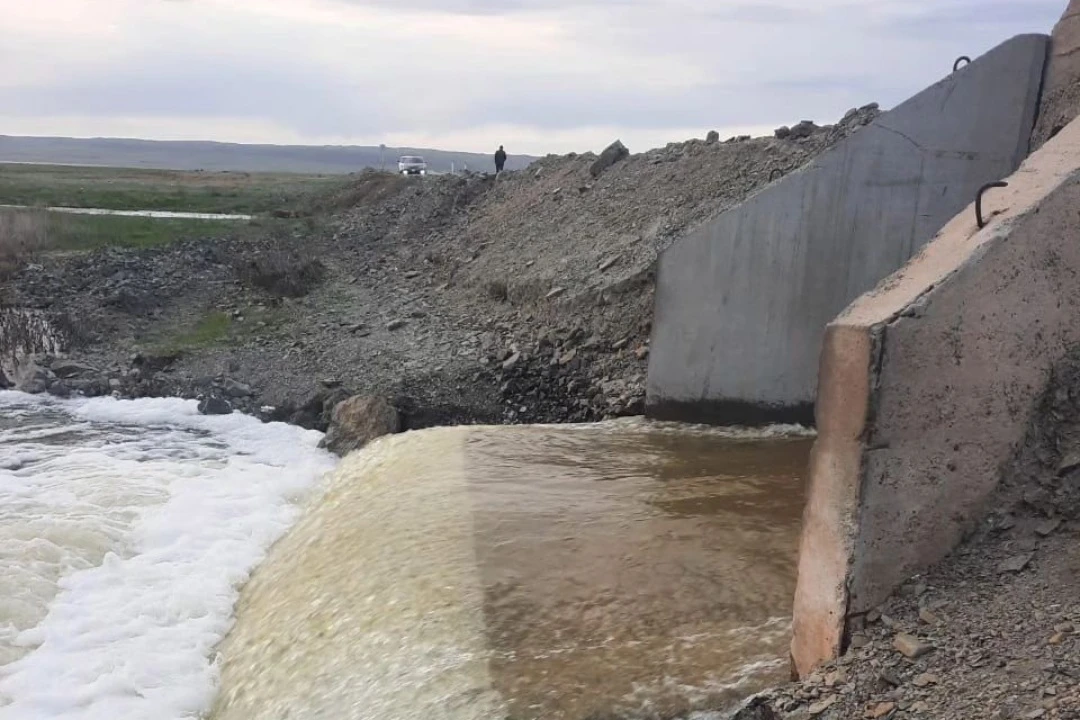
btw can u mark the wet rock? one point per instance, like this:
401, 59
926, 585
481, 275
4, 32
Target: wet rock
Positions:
756, 708
235, 389
910, 646
315, 411
612, 154
33, 379
59, 389
213, 405
69, 369
359, 420
90, 387
330, 399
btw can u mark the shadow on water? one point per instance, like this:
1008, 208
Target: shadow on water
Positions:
634, 574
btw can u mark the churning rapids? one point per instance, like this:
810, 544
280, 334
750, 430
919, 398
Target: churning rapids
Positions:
618, 570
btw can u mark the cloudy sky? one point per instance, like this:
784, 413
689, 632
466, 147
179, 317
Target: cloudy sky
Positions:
536, 75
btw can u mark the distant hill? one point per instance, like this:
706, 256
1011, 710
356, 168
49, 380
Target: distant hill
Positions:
199, 155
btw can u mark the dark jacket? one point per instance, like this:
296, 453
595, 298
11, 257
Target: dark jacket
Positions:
500, 157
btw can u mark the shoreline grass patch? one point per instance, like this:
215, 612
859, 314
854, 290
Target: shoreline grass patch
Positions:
91, 232
210, 330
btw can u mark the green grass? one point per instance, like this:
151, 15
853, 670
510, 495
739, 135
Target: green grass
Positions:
216, 329
210, 330
90, 232
139, 189
26, 232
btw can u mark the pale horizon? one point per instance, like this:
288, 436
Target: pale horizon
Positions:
537, 76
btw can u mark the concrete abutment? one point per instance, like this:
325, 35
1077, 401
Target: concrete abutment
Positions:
928, 385
741, 303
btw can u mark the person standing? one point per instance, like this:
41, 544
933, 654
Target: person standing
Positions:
500, 160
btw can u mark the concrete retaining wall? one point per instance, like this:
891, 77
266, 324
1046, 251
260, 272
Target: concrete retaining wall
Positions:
741, 302
927, 387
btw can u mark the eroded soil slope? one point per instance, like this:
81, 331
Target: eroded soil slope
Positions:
526, 297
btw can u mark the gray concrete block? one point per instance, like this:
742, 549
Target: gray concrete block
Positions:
929, 385
741, 303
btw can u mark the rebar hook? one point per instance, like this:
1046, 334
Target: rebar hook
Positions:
962, 59
978, 200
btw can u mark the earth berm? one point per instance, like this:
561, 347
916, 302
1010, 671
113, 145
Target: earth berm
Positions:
525, 297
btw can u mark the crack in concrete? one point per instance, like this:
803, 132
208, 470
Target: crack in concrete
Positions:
883, 126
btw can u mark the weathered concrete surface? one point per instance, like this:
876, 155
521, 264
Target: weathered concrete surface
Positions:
742, 302
927, 387
1060, 103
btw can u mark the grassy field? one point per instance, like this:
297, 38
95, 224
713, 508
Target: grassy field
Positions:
138, 189
38, 230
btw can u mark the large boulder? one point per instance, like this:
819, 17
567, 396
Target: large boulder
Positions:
214, 405
33, 378
1060, 103
803, 129
315, 411
359, 420
612, 154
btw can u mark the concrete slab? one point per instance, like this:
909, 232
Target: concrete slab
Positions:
927, 387
741, 303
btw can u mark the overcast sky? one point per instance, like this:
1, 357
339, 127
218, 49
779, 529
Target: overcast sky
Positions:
536, 75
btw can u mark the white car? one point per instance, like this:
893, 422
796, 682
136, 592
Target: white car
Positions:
412, 165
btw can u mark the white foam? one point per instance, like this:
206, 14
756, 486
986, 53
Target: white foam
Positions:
122, 548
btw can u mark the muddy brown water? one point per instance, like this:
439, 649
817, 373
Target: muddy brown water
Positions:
621, 570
